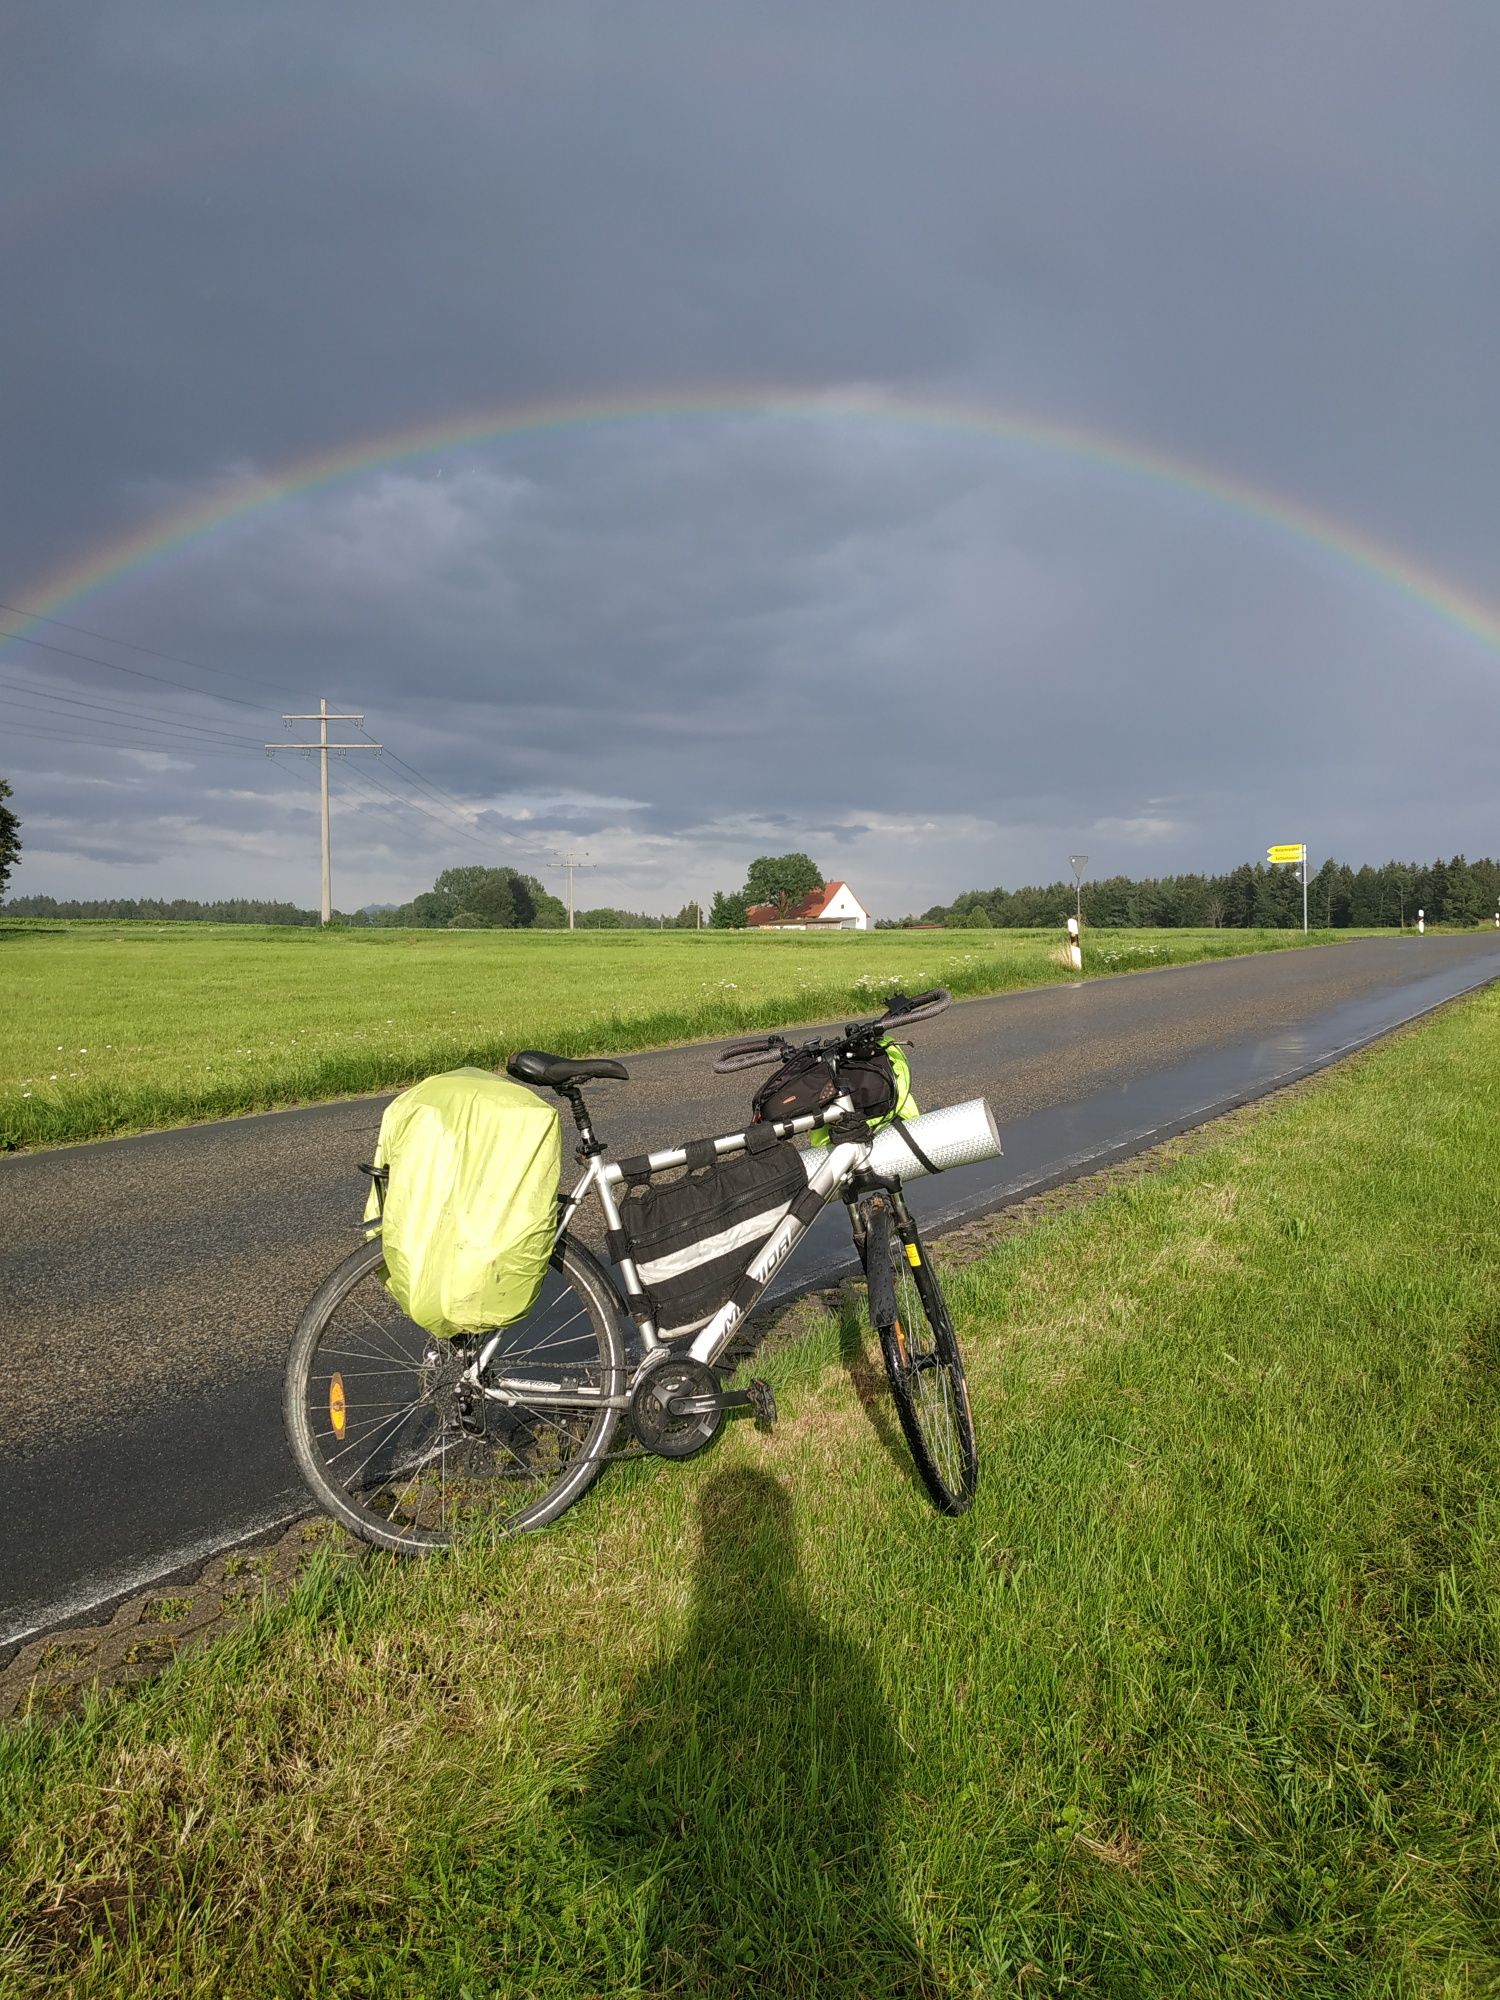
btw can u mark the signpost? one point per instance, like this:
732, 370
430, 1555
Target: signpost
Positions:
1080, 862
1292, 851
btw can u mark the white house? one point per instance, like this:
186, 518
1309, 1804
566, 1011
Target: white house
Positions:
834, 907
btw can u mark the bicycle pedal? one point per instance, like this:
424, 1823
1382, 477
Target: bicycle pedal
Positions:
763, 1402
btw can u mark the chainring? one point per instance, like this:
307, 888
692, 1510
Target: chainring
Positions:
654, 1424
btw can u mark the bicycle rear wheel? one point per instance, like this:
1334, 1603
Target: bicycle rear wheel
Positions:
922, 1361
396, 1444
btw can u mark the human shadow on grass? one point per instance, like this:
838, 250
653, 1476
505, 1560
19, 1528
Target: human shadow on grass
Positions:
741, 1803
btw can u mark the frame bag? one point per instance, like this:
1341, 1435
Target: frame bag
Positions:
694, 1239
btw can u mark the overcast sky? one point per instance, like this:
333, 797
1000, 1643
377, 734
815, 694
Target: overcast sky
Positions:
1263, 241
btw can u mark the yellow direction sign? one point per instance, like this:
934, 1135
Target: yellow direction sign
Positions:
1291, 850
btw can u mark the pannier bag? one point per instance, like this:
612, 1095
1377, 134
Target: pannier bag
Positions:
694, 1239
470, 1205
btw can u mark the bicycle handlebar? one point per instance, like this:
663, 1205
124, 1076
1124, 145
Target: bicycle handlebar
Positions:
921, 1008
900, 1012
750, 1055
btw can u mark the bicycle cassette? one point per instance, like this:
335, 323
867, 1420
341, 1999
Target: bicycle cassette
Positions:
699, 1399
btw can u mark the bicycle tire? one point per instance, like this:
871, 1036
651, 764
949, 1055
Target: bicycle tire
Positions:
443, 1469
922, 1362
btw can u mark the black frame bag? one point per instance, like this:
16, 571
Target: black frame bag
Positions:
694, 1239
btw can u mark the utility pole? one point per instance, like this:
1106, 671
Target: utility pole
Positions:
570, 861
323, 746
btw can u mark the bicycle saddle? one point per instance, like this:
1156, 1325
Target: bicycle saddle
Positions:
535, 1066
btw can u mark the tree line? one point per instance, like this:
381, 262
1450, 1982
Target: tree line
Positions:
1252, 896
1458, 891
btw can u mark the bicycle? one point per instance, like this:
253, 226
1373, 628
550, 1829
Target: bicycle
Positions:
414, 1443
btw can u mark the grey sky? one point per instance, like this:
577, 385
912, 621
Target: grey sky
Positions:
1265, 241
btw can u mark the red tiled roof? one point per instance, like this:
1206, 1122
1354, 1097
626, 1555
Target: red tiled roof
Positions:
808, 911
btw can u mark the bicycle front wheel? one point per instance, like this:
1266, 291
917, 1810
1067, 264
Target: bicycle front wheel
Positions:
922, 1361
398, 1442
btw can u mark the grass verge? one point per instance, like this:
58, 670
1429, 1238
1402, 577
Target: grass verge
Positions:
1199, 1700
168, 1024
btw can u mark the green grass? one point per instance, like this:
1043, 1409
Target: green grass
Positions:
1200, 1699
118, 1028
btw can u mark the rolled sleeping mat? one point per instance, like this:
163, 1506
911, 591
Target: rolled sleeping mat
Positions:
960, 1135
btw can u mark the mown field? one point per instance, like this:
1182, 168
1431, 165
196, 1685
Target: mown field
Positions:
117, 1028
1200, 1699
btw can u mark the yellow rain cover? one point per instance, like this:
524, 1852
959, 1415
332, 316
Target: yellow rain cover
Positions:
471, 1203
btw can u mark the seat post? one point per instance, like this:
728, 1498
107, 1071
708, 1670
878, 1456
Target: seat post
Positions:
588, 1146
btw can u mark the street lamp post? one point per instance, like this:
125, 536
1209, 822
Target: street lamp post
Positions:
1080, 862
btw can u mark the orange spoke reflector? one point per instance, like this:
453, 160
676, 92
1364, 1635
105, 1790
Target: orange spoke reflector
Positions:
337, 1408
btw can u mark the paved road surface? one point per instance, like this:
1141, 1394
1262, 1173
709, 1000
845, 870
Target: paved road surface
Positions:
151, 1284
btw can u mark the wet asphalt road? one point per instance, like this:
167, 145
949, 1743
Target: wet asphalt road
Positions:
150, 1285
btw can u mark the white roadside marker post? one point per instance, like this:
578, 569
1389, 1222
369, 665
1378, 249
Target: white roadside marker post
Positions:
1421, 922
1075, 949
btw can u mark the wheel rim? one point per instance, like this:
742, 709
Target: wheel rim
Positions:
411, 1452
933, 1379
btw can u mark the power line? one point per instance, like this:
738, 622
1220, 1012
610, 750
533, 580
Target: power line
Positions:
433, 789
365, 778
183, 734
368, 778
159, 745
182, 738
134, 646
114, 667
145, 714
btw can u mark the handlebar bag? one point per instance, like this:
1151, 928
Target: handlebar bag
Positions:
693, 1239
470, 1208
804, 1084
880, 1085
879, 1082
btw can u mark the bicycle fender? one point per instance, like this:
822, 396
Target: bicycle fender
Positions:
879, 1280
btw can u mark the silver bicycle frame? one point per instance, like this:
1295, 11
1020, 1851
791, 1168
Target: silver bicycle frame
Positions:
604, 1177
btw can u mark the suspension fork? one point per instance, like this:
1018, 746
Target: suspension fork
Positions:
872, 1217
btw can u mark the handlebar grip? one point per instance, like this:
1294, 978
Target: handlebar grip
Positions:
921, 1008
749, 1055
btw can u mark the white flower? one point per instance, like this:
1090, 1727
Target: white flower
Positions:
53, 1077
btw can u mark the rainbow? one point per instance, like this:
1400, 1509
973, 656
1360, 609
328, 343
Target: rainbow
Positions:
164, 537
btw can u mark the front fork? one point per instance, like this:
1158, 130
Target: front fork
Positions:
873, 1216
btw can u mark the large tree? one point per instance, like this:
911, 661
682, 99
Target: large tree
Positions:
500, 898
782, 879
10, 837
727, 913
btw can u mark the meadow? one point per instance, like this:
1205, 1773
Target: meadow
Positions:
108, 1027
1199, 1700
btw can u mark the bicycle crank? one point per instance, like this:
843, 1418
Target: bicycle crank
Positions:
678, 1407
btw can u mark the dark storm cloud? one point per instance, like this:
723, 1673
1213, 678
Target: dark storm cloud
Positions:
239, 237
